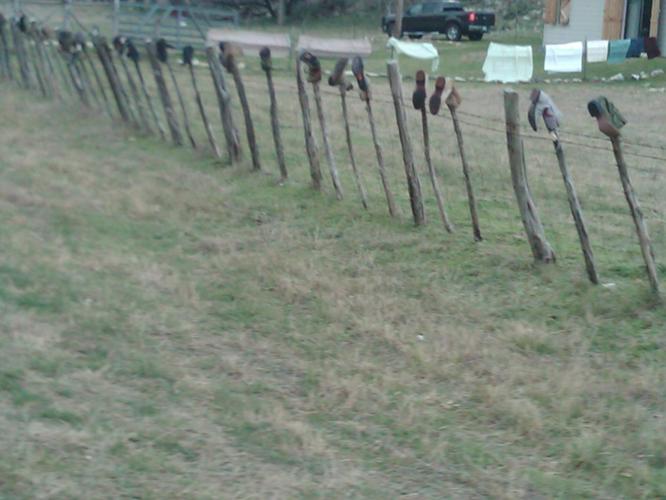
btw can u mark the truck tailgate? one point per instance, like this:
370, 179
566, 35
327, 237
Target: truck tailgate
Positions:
485, 19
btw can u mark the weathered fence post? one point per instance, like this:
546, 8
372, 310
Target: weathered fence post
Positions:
610, 121
21, 56
163, 56
45, 83
134, 56
337, 79
365, 95
418, 101
228, 58
104, 54
541, 249
44, 44
543, 107
172, 121
100, 85
6, 62
267, 66
452, 103
314, 77
224, 103
310, 142
188, 53
413, 183
119, 45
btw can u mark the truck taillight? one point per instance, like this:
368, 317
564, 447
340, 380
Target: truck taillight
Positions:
472, 17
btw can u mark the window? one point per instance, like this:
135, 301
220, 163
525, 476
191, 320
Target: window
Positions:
557, 12
415, 10
430, 8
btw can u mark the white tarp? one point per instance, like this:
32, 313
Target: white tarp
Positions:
251, 42
597, 51
564, 58
508, 63
335, 47
416, 50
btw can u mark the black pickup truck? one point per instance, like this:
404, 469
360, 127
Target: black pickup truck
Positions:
447, 18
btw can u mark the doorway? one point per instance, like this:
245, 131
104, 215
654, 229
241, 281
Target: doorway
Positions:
638, 16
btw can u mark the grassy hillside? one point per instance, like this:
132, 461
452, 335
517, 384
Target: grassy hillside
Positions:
173, 329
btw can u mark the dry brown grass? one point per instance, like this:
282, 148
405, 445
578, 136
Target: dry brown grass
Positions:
172, 329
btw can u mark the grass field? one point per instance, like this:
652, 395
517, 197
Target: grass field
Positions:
173, 328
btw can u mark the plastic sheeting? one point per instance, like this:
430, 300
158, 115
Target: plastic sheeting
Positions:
597, 51
335, 47
416, 50
564, 58
508, 63
251, 42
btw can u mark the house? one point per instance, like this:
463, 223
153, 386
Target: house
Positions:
577, 20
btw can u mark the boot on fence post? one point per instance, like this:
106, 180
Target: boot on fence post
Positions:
123, 92
541, 249
610, 121
543, 107
267, 67
119, 43
310, 142
337, 79
188, 53
418, 100
413, 182
6, 62
98, 80
365, 95
133, 55
162, 53
447, 91
170, 113
314, 77
104, 55
224, 103
56, 58
228, 55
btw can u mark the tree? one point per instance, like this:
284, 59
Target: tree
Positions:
397, 27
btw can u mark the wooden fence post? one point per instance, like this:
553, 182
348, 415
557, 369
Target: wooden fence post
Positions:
143, 119
637, 215
103, 52
181, 101
45, 83
100, 85
21, 57
224, 103
432, 173
188, 52
576, 212
134, 55
413, 183
466, 174
123, 92
267, 66
172, 121
6, 61
541, 249
310, 142
350, 147
229, 62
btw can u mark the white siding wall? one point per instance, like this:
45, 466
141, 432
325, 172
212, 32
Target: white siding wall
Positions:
587, 20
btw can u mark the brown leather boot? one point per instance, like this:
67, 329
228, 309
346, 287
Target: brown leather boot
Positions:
419, 95
436, 99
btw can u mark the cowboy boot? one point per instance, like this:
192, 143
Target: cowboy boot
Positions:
436, 99
338, 76
363, 86
419, 95
132, 51
609, 119
266, 61
453, 98
314, 67
188, 55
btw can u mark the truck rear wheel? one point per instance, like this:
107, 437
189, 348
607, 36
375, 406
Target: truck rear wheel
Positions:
453, 32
